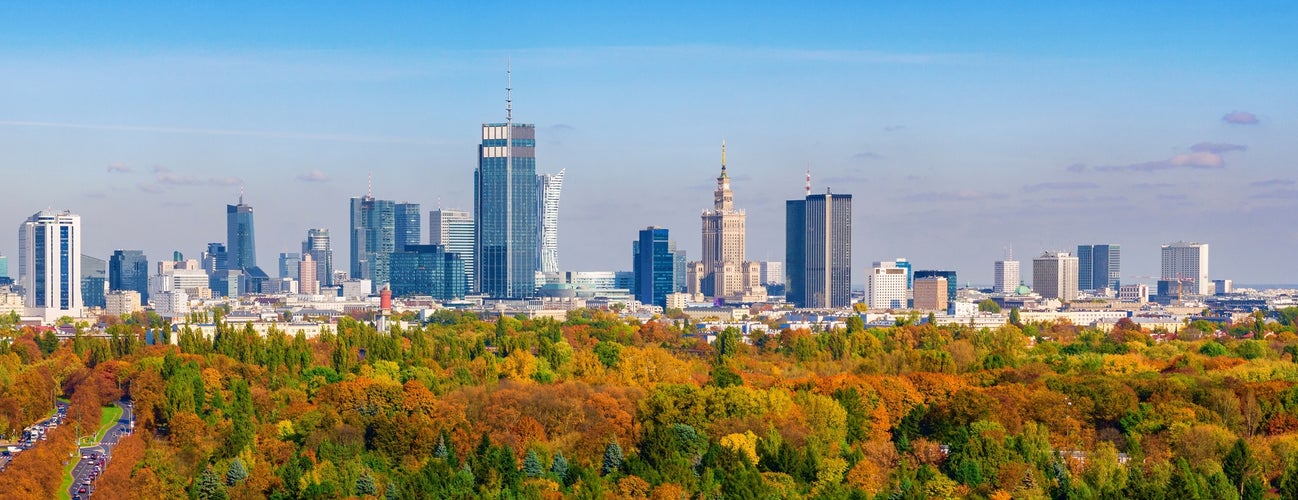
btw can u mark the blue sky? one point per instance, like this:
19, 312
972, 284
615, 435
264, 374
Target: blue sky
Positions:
961, 130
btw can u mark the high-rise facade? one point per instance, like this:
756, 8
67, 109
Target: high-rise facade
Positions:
49, 264
505, 211
215, 259
910, 272
885, 286
129, 270
319, 247
240, 237
288, 262
408, 225
1054, 276
1006, 276
373, 239
1099, 267
930, 293
94, 281
1186, 263
427, 270
548, 189
951, 282
818, 250
453, 229
654, 266
722, 271
308, 284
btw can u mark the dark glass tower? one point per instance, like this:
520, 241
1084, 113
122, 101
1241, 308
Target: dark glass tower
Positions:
818, 250
129, 270
373, 239
318, 246
239, 237
505, 211
1099, 266
427, 270
407, 225
654, 266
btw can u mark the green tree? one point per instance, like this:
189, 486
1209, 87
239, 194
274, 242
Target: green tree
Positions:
1238, 464
612, 459
1289, 480
560, 467
209, 486
365, 485
532, 464
989, 306
1014, 317
237, 472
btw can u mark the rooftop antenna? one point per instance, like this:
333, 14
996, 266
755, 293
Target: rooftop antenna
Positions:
509, 100
240, 193
808, 181
369, 185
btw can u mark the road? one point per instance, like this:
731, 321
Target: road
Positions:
31, 435
91, 460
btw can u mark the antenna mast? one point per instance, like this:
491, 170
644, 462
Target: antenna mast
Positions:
808, 181
240, 193
509, 101
369, 185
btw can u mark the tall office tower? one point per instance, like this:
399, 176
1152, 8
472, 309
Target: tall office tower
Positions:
373, 239
678, 268
910, 272
215, 258
772, 272
4, 266
1187, 263
288, 262
94, 281
49, 264
1006, 276
654, 267
1099, 267
453, 229
240, 238
1054, 276
408, 225
504, 208
548, 188
818, 250
129, 270
308, 284
930, 294
951, 283
322, 252
723, 241
885, 286
427, 270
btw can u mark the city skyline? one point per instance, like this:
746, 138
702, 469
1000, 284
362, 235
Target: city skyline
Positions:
1032, 150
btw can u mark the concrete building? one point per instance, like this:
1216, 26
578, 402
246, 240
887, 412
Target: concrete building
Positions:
308, 284
724, 236
319, 246
171, 304
885, 286
1006, 276
49, 264
1054, 276
772, 272
952, 283
1223, 287
931, 294
122, 302
1187, 263
1134, 293
548, 189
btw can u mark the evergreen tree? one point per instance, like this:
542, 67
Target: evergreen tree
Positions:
209, 486
237, 472
532, 465
1254, 489
1238, 464
440, 451
1289, 481
560, 467
612, 459
391, 492
365, 485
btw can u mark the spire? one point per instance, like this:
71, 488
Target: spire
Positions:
509, 100
369, 185
808, 181
723, 157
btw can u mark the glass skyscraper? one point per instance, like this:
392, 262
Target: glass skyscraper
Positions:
406, 223
818, 250
318, 246
239, 237
654, 266
1099, 266
49, 263
453, 229
129, 270
505, 211
373, 239
427, 270
94, 279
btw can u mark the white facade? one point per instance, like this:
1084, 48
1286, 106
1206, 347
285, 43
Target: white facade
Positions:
121, 302
1134, 293
772, 272
1007, 276
49, 264
171, 304
1054, 276
354, 289
885, 286
453, 229
1223, 287
1187, 262
549, 186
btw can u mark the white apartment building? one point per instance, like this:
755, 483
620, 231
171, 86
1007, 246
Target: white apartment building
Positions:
1006, 276
885, 286
1187, 262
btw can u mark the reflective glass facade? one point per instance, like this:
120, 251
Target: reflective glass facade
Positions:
129, 270
505, 211
427, 270
373, 239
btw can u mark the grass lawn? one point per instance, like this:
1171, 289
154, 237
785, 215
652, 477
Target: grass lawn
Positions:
67, 480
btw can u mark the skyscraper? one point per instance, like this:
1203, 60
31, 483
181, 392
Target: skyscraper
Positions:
94, 281
885, 286
240, 238
1054, 276
373, 239
288, 262
215, 259
129, 270
408, 225
818, 250
1099, 267
548, 188
1186, 263
308, 284
453, 229
427, 270
724, 269
49, 264
1006, 275
505, 208
317, 244
654, 266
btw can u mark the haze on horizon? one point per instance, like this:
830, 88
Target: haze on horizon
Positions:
960, 130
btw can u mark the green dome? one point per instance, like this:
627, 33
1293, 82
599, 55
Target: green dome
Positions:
1022, 290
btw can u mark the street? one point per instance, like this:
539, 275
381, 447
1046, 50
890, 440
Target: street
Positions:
92, 459
32, 434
